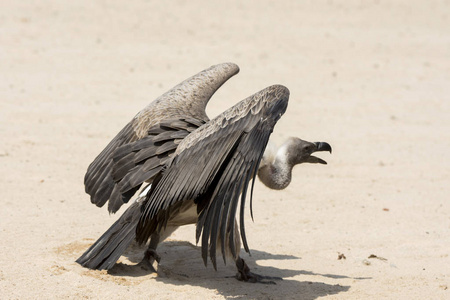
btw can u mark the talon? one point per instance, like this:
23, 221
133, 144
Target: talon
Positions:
148, 260
147, 266
151, 254
244, 274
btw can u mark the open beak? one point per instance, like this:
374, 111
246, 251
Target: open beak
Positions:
320, 146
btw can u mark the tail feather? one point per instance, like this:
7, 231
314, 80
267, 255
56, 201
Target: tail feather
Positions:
104, 253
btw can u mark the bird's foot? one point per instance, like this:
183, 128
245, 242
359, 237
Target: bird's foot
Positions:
244, 274
148, 262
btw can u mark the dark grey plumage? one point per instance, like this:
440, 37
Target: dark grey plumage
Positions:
199, 170
212, 166
104, 253
182, 108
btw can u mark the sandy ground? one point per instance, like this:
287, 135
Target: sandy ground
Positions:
370, 77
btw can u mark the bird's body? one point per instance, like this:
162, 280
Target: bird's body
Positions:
199, 169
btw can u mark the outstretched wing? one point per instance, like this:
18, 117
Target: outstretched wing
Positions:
213, 166
138, 162
118, 170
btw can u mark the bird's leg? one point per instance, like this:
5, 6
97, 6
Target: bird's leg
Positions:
244, 274
150, 255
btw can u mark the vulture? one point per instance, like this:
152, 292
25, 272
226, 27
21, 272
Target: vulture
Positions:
196, 170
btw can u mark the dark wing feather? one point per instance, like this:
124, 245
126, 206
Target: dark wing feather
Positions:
186, 101
127, 162
104, 253
98, 180
140, 161
245, 160
213, 166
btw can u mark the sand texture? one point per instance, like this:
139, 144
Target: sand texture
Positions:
372, 78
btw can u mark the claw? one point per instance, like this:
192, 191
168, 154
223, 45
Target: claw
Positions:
244, 274
149, 259
151, 254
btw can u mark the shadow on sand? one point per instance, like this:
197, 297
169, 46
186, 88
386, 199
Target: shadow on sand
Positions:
181, 264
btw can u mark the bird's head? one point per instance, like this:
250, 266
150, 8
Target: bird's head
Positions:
300, 151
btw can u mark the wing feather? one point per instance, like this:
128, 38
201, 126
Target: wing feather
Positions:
213, 166
145, 160
180, 110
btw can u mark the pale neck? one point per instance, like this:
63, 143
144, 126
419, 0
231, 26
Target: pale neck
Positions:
276, 174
